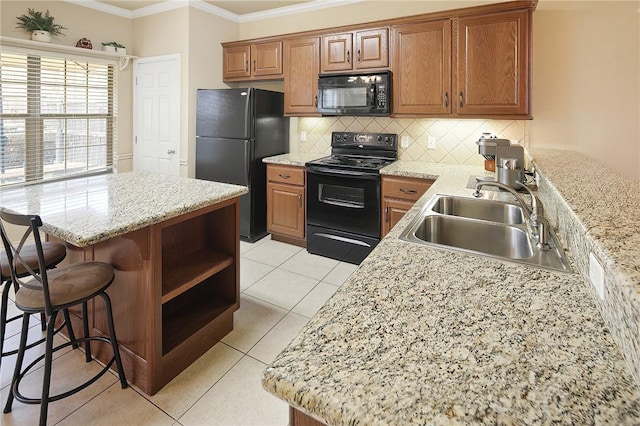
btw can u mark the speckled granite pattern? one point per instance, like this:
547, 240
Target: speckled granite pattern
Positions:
85, 211
293, 158
598, 210
420, 335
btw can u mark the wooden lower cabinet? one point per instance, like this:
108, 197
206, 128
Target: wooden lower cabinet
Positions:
175, 290
399, 194
286, 203
298, 418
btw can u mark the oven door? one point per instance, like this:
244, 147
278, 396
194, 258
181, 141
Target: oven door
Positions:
344, 200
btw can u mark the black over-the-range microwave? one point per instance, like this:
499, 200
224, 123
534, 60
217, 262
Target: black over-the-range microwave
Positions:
351, 94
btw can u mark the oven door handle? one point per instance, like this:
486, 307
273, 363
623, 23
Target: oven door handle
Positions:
343, 239
348, 173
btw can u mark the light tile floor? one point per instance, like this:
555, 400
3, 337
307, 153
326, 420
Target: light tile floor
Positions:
282, 286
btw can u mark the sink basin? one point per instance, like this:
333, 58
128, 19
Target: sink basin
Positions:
489, 238
483, 227
493, 211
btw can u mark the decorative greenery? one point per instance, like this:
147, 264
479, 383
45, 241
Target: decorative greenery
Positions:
114, 44
37, 21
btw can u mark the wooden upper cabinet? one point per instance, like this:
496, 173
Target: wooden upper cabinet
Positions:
257, 61
301, 68
236, 62
372, 48
355, 50
266, 59
422, 68
493, 64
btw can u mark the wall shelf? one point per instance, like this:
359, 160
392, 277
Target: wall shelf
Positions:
123, 60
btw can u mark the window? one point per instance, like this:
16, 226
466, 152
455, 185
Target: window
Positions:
56, 116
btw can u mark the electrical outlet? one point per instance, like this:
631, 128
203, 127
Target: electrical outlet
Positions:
404, 141
431, 142
596, 275
303, 136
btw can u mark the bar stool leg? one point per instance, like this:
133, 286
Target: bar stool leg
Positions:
19, 360
114, 341
85, 327
4, 306
72, 336
46, 381
43, 321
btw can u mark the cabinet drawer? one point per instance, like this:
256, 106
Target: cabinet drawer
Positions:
285, 174
404, 188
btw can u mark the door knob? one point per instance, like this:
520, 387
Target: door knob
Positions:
171, 151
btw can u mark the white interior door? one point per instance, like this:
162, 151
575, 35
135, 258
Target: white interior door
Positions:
156, 146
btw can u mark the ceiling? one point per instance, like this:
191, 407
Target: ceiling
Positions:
239, 7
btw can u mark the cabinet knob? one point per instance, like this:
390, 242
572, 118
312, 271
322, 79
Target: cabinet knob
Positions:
348, 57
300, 200
461, 103
386, 214
358, 55
446, 99
254, 65
246, 65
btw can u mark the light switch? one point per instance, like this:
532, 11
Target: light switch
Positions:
431, 142
303, 136
404, 141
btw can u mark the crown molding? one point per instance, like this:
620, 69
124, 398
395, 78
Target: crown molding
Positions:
215, 10
209, 8
102, 7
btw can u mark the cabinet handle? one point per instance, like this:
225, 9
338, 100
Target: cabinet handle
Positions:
348, 57
254, 64
386, 214
358, 55
408, 191
446, 99
316, 101
284, 176
460, 99
246, 65
300, 200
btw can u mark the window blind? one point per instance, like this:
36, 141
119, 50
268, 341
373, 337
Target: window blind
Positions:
57, 116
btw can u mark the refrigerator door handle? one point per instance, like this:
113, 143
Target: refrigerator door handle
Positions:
247, 161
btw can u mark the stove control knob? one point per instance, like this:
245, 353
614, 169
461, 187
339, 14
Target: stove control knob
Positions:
379, 138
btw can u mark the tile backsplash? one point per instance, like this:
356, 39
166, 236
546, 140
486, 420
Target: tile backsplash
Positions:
455, 139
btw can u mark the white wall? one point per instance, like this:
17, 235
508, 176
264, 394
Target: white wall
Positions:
586, 80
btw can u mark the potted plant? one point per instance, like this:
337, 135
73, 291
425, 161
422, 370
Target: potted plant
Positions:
114, 47
40, 25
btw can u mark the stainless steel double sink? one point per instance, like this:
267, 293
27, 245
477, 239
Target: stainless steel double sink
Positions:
484, 227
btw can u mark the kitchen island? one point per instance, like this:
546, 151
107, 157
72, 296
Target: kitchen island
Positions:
430, 336
174, 243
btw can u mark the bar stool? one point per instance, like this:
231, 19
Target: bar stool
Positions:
52, 291
54, 253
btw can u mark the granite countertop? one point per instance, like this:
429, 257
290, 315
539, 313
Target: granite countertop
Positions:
430, 336
84, 211
293, 158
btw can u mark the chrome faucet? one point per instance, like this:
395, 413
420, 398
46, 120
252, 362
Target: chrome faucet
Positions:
538, 222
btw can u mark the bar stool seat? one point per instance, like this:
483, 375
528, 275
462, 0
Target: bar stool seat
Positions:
54, 253
68, 285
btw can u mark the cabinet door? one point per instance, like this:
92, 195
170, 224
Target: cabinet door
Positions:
266, 59
236, 62
301, 68
422, 62
392, 211
372, 48
337, 53
493, 74
285, 209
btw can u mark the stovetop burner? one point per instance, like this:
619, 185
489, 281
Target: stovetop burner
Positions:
360, 151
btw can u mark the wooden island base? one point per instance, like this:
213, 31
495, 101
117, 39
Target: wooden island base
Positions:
174, 294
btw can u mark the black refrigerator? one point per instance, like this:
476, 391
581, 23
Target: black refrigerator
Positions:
235, 130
